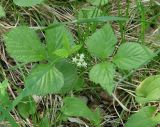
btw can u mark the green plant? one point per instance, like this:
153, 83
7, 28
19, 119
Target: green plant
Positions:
144, 117
147, 91
55, 74
129, 56
76, 107
26, 107
24, 46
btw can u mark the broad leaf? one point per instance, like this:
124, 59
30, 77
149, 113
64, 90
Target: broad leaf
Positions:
101, 44
27, 107
76, 107
27, 3
143, 118
98, 2
89, 12
131, 56
149, 89
58, 37
2, 12
44, 79
103, 74
70, 75
24, 45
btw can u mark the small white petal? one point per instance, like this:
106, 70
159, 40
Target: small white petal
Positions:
84, 64
79, 64
74, 59
81, 60
82, 56
78, 55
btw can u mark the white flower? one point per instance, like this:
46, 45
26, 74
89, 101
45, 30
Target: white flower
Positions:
74, 59
79, 60
81, 56
84, 64
79, 64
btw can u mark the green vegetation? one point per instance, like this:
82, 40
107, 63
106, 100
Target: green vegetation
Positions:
96, 67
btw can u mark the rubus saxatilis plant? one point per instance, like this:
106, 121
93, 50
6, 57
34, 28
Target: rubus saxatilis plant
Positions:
54, 74
130, 55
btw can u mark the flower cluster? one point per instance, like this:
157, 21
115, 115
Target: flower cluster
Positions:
79, 60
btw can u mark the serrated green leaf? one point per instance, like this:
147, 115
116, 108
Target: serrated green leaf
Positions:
103, 74
89, 12
2, 12
70, 75
27, 3
57, 37
44, 79
101, 44
143, 118
23, 45
26, 107
131, 56
76, 107
149, 89
98, 2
